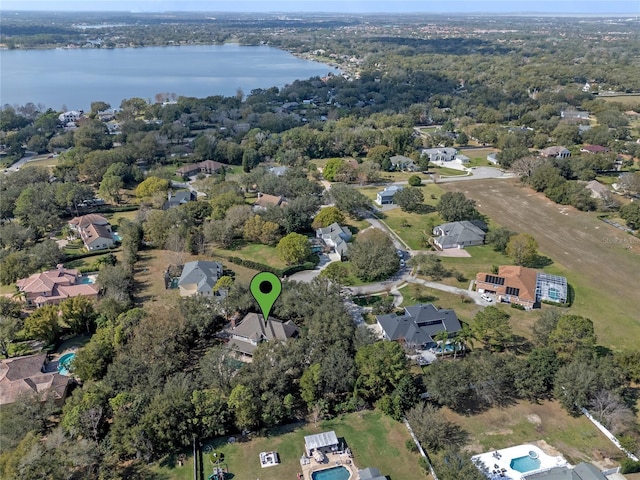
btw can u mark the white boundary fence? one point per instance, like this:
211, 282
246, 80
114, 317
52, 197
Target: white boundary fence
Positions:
608, 434
422, 452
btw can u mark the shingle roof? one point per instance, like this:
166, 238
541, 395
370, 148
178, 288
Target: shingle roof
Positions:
419, 324
200, 273
460, 233
253, 327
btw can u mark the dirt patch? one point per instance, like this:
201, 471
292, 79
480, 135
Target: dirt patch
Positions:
535, 419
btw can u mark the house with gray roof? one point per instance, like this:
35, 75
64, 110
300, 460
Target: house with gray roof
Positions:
371, 473
253, 330
385, 197
440, 155
582, 471
418, 325
336, 237
401, 163
179, 198
199, 278
597, 189
459, 234
556, 152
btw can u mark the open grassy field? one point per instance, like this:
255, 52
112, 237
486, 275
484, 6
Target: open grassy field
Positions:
576, 438
601, 263
375, 440
414, 293
153, 263
631, 100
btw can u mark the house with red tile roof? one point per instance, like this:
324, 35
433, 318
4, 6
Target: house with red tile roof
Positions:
53, 286
594, 149
523, 286
265, 200
22, 376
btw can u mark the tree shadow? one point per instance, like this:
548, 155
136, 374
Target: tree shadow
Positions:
424, 209
540, 261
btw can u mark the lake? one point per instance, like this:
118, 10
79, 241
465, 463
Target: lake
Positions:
73, 78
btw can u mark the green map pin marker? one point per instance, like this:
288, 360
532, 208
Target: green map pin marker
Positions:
266, 288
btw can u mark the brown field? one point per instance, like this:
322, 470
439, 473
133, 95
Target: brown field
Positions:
152, 264
632, 100
601, 263
576, 438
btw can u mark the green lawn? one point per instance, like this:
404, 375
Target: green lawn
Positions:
375, 440
447, 172
264, 254
415, 293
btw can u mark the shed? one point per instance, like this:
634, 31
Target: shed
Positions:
324, 442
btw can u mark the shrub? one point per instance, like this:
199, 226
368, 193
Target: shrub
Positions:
415, 181
629, 466
411, 445
517, 306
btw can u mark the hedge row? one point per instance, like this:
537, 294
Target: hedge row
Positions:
280, 272
95, 253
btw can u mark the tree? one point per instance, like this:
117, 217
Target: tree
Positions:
224, 283
523, 248
10, 323
116, 282
430, 265
150, 186
454, 207
110, 187
629, 183
212, 415
409, 199
630, 213
381, 366
43, 324
415, 181
349, 200
373, 255
454, 464
245, 407
78, 314
332, 167
499, 238
534, 376
433, 430
573, 334
294, 249
326, 217
491, 327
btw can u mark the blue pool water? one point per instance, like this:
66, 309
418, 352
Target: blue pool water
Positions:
64, 364
525, 464
86, 280
116, 236
336, 473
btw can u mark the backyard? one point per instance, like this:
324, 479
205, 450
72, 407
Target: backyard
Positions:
375, 441
600, 262
576, 438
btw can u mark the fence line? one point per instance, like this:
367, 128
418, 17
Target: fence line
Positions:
608, 434
422, 452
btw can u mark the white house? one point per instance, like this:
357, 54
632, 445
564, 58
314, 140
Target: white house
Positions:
440, 155
385, 197
71, 116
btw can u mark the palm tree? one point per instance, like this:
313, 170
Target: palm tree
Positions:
441, 338
465, 335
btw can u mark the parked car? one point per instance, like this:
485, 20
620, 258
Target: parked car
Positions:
486, 298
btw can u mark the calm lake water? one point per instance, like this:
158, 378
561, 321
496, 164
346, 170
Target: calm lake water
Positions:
75, 78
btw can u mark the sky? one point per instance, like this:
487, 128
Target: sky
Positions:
580, 7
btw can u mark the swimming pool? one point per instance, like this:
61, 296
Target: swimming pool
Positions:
87, 279
64, 364
525, 464
335, 473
